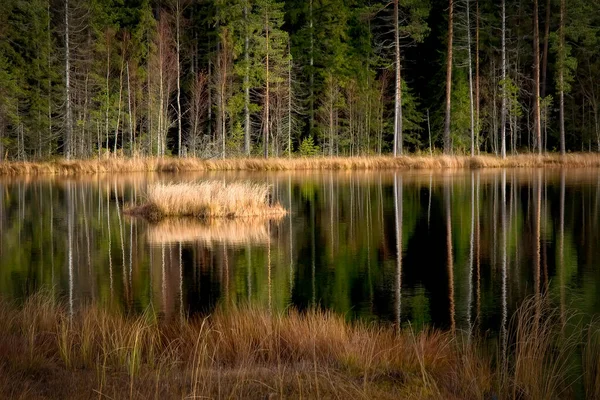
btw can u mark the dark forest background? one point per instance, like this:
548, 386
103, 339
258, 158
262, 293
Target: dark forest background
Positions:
220, 78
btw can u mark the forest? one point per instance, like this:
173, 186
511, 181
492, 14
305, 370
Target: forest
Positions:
266, 78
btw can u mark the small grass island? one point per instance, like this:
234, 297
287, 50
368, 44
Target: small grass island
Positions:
205, 200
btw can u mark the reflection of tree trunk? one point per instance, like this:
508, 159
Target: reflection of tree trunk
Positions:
331, 213
478, 251
163, 279
226, 265
269, 280
398, 211
291, 239
123, 264
537, 255
131, 255
181, 309
450, 261
504, 270
313, 251
70, 212
494, 249
471, 252
86, 227
544, 244
561, 246
429, 202
249, 274
110, 266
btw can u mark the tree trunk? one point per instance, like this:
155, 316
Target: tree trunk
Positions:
503, 111
107, 127
537, 128
246, 84
312, 74
545, 55
561, 77
119, 107
289, 110
68, 116
398, 140
477, 96
470, 79
161, 115
178, 23
131, 152
266, 122
447, 139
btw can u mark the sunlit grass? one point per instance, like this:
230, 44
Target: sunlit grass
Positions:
171, 164
208, 199
251, 353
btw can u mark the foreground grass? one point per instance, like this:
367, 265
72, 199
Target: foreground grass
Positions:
169, 164
207, 199
248, 353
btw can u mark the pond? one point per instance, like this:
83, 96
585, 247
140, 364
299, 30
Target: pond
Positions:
453, 249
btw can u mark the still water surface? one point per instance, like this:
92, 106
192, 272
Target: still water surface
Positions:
452, 249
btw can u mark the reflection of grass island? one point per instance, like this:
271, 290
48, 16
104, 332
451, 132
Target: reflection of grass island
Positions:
252, 230
209, 199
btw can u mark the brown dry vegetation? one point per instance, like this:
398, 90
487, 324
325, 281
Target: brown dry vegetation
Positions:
229, 231
208, 199
168, 164
249, 353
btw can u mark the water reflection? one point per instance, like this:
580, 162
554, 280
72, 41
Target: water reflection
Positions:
459, 250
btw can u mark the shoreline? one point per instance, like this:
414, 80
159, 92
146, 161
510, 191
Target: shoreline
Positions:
173, 164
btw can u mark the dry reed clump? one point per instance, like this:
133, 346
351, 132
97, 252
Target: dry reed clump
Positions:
168, 164
209, 199
250, 353
252, 230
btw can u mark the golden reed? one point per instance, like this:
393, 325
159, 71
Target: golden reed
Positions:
171, 164
207, 199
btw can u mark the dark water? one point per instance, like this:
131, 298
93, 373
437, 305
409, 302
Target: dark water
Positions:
452, 249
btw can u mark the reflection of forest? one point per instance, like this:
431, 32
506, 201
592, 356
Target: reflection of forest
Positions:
473, 245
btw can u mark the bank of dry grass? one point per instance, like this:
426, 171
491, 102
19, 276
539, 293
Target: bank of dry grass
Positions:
171, 164
214, 230
207, 199
249, 353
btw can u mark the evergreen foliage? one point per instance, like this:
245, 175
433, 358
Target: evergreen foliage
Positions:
260, 77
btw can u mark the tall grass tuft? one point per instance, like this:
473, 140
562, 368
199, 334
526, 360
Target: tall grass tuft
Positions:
208, 199
540, 361
591, 362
